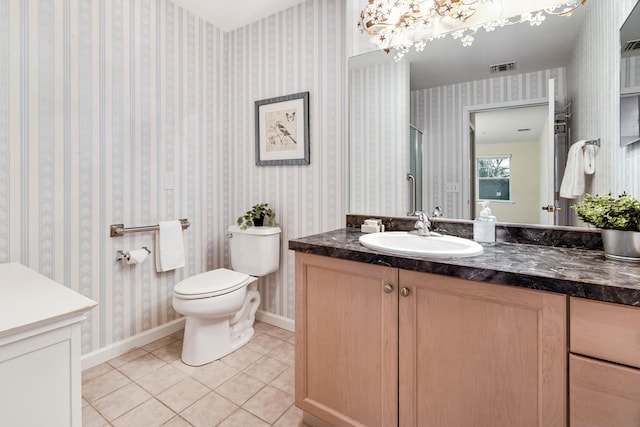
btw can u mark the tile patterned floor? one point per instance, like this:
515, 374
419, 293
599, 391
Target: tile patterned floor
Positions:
150, 386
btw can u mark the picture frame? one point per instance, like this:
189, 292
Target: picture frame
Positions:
282, 130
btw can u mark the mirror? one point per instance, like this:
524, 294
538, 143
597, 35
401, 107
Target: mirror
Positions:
438, 89
630, 79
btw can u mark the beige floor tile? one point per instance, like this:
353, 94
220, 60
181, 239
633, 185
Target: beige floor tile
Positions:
182, 394
151, 347
127, 357
266, 369
262, 326
284, 353
84, 402
96, 371
242, 418
241, 358
161, 379
240, 388
121, 401
178, 335
260, 376
98, 387
169, 352
189, 370
209, 411
291, 418
92, 418
150, 414
141, 366
269, 404
215, 374
177, 421
262, 343
285, 381
282, 334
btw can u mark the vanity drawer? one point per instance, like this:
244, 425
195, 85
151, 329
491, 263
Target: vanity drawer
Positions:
606, 331
602, 394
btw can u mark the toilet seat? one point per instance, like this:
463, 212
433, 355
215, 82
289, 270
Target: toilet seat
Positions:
210, 284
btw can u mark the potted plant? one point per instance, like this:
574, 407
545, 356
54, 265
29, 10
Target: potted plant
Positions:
619, 219
256, 217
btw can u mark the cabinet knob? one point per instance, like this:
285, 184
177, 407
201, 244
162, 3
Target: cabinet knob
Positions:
388, 288
404, 292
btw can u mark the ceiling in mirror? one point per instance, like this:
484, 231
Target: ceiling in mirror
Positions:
532, 48
630, 34
510, 125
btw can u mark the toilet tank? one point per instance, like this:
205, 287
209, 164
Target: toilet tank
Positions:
256, 250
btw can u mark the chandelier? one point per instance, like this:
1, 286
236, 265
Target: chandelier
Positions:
401, 24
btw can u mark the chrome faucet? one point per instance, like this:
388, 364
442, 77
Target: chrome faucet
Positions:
422, 225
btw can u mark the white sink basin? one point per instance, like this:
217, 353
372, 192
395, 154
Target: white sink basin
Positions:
405, 243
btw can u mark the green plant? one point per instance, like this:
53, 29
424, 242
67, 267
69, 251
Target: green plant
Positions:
256, 216
607, 211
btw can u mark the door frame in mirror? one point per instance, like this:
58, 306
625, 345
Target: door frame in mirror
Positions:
468, 173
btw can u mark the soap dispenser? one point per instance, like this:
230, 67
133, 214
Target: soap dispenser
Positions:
484, 227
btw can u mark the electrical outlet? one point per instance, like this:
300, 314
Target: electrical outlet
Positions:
451, 187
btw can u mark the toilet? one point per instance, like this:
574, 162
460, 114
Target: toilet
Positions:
220, 305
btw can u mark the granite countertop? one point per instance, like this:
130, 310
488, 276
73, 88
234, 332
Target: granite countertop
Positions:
582, 273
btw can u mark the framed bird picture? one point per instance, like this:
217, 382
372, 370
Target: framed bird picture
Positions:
282, 130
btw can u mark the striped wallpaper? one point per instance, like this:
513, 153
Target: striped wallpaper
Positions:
379, 123
595, 63
135, 111
300, 49
439, 113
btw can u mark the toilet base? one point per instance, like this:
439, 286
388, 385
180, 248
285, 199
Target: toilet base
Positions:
209, 339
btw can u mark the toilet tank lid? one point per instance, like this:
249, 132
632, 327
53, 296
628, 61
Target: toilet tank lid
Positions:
210, 282
263, 231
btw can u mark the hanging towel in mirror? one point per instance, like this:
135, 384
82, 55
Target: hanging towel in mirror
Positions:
169, 246
573, 180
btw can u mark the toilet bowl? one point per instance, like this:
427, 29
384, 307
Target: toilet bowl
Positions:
220, 305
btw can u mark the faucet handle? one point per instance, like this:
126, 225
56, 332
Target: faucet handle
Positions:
422, 216
437, 212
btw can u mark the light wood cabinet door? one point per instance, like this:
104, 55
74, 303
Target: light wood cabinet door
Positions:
477, 354
606, 331
346, 341
603, 394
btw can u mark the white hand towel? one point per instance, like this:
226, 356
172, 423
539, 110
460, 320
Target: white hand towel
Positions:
590, 158
573, 180
169, 246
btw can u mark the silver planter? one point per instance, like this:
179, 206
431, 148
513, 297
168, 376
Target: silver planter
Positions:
621, 245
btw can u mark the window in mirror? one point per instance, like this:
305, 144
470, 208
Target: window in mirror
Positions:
494, 177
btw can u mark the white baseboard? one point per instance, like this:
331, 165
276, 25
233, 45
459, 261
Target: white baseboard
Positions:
101, 355
275, 320
121, 347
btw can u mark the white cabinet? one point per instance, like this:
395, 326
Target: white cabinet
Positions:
40, 366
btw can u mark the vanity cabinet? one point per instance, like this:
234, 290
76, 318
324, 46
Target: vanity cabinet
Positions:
480, 354
380, 346
604, 365
346, 341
